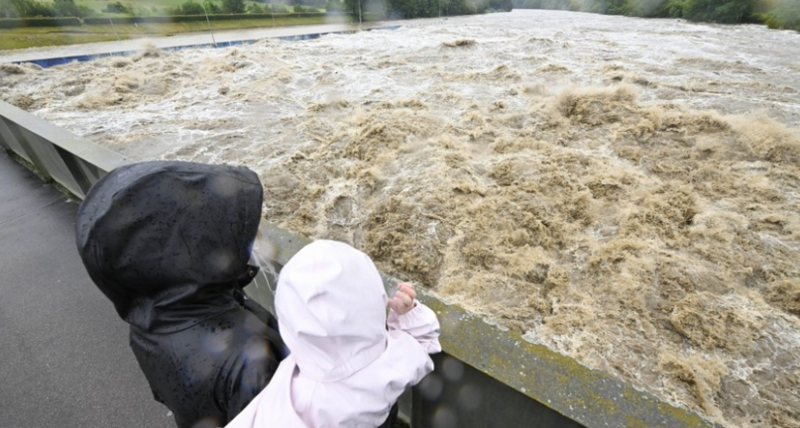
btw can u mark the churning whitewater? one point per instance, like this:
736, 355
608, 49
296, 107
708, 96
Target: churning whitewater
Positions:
624, 191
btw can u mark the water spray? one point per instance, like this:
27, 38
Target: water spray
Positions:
210, 30
114, 28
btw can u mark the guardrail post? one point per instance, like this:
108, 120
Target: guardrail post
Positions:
84, 177
21, 138
5, 135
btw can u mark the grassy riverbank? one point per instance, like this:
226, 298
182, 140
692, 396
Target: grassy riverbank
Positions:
27, 37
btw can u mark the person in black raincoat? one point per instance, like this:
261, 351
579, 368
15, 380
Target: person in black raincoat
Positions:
169, 243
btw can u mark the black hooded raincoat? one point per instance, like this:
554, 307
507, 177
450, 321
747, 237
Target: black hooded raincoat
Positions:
168, 243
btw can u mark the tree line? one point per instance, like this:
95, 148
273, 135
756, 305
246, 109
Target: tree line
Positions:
400, 9
68, 8
409, 9
31, 8
191, 7
774, 13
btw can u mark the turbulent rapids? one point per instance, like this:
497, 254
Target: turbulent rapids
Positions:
624, 191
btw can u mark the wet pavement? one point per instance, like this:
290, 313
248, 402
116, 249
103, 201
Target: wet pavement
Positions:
64, 355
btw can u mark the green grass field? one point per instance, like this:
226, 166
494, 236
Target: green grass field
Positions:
160, 6
27, 37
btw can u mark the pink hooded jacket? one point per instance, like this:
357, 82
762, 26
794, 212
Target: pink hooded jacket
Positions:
345, 369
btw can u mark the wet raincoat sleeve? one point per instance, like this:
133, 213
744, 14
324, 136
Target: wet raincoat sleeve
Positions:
241, 392
421, 323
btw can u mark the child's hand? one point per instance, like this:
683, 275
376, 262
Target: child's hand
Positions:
403, 300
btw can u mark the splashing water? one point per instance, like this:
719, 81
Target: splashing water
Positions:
623, 190
262, 256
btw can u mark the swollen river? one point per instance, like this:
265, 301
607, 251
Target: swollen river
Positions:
624, 191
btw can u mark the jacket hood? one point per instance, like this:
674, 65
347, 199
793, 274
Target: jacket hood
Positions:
345, 369
331, 308
167, 242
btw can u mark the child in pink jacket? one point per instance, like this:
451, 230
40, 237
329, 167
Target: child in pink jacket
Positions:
345, 369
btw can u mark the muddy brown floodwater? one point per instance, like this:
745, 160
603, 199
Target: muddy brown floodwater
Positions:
624, 191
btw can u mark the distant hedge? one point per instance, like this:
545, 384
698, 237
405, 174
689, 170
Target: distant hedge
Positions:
773, 13
61, 22
189, 18
38, 22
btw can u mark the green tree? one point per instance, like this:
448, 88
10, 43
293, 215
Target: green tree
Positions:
211, 8
25, 9
192, 8
352, 7
41, 9
334, 6
723, 11
8, 10
609, 7
620, 7
117, 8
255, 8
233, 6
457, 7
786, 14
66, 8
504, 5
647, 8
410, 9
544, 4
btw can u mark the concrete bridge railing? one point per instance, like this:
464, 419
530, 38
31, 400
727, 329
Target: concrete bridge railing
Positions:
486, 377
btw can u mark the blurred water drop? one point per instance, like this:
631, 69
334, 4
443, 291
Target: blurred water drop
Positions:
220, 260
431, 387
264, 251
469, 397
224, 186
452, 369
216, 343
255, 351
444, 418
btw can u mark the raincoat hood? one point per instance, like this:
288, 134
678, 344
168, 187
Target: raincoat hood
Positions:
331, 309
168, 241
345, 369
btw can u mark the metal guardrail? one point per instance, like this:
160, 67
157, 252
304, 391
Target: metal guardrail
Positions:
486, 377
56, 154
